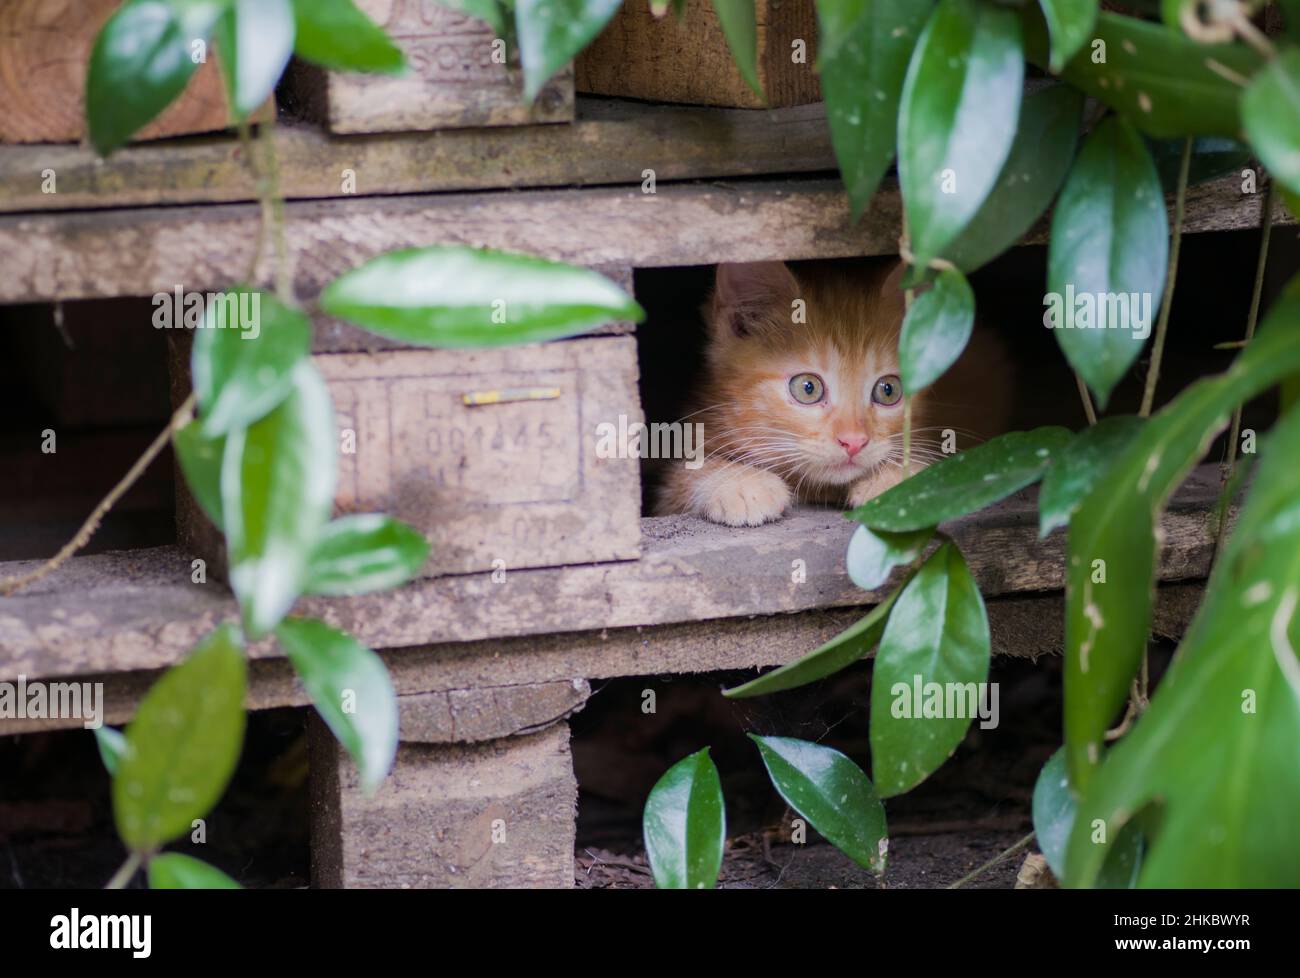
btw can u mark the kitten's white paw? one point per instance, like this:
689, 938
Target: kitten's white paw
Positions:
876, 483
746, 497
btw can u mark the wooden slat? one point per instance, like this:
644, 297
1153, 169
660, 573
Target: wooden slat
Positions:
145, 251
139, 610
611, 142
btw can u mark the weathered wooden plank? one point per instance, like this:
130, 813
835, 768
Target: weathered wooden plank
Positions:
139, 610
1026, 626
142, 252
496, 814
611, 142
465, 716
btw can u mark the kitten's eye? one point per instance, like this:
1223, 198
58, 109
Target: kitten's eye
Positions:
888, 390
807, 388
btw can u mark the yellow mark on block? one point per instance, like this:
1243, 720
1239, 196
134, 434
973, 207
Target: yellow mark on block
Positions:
505, 396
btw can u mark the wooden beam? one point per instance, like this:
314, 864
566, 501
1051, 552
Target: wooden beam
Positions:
142, 252
611, 142
138, 610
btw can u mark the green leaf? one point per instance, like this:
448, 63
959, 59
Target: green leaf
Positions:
1212, 157
1214, 754
453, 296
142, 59
111, 744
277, 490
840, 652
1079, 466
177, 871
244, 356
1160, 80
864, 47
1114, 534
741, 31
200, 459
965, 482
552, 33
937, 642
1054, 810
1270, 110
1070, 24
873, 554
183, 744
832, 793
254, 40
351, 690
363, 553
936, 329
685, 825
1040, 157
335, 34
1107, 257
960, 102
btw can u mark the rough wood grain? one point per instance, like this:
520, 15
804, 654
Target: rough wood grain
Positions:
455, 78
496, 814
611, 142
139, 609
662, 59
464, 716
140, 252
44, 52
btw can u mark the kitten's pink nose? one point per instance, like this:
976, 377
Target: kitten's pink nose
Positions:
852, 444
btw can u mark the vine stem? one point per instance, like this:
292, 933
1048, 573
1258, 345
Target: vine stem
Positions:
1171, 276
976, 873
1261, 263
181, 418
1089, 411
124, 872
908, 296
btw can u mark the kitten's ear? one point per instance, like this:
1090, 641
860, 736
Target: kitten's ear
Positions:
749, 294
892, 285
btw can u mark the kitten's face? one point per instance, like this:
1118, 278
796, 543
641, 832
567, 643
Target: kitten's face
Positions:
818, 400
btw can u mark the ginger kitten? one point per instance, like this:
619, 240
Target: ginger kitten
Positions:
802, 401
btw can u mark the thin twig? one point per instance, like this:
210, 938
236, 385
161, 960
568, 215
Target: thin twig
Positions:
283, 271
908, 296
181, 418
1175, 245
124, 872
993, 862
1089, 411
259, 187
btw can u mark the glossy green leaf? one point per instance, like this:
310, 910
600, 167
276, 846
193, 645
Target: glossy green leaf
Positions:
832, 793
336, 34
200, 460
552, 32
142, 59
685, 825
863, 50
1112, 542
873, 554
453, 296
277, 490
254, 41
1212, 157
363, 553
925, 688
1161, 80
936, 330
1079, 466
111, 744
1215, 752
846, 648
351, 690
1107, 258
960, 103
965, 482
741, 31
1054, 810
1271, 113
1070, 23
244, 357
1040, 157
177, 871
183, 744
